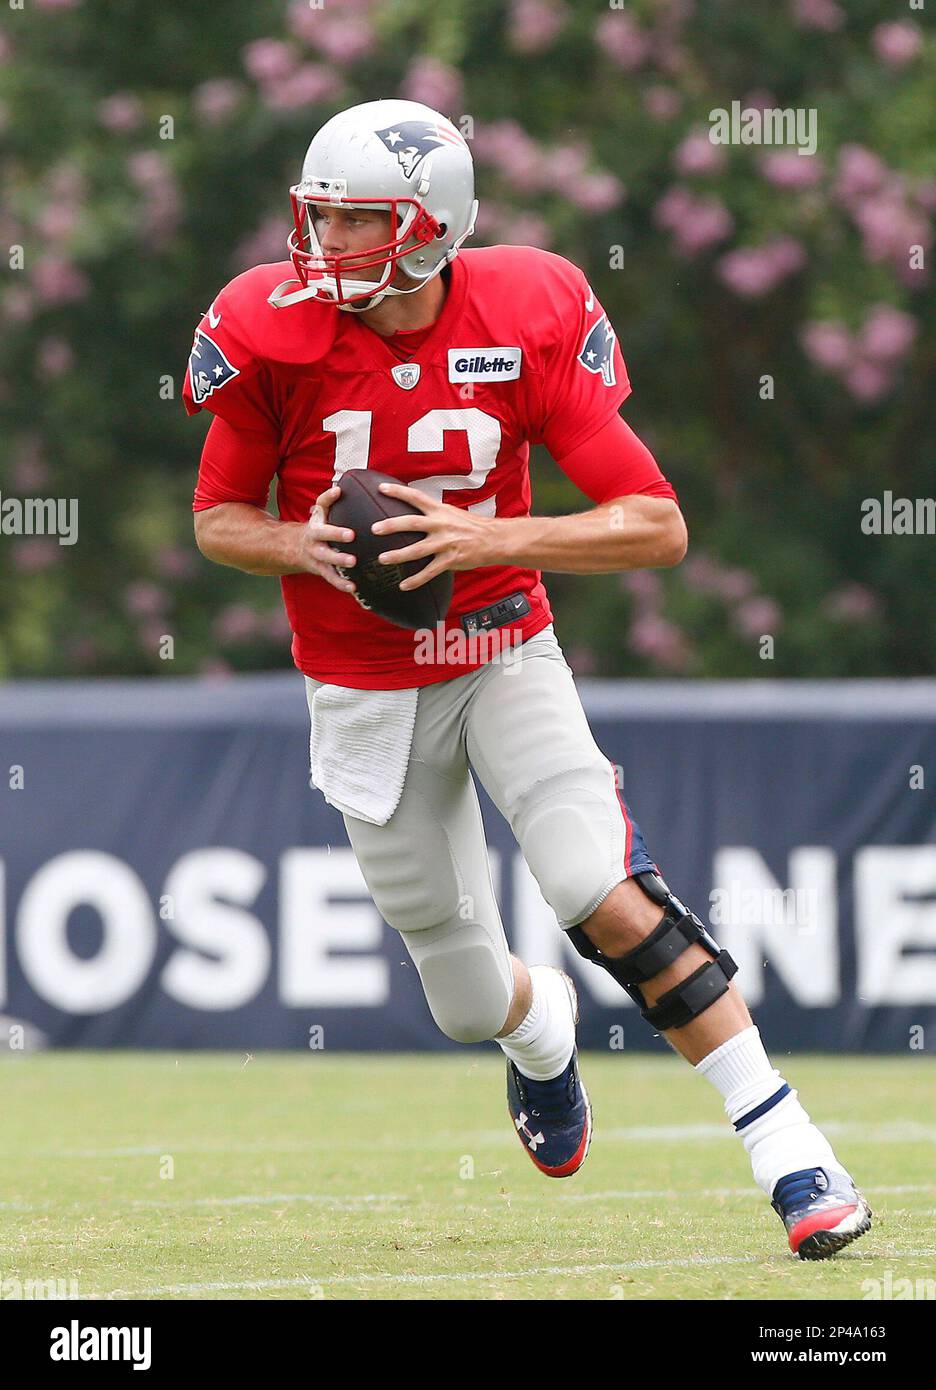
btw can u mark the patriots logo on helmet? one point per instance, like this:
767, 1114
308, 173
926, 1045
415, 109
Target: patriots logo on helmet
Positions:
209, 369
411, 141
597, 353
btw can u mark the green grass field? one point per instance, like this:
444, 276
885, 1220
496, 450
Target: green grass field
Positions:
396, 1177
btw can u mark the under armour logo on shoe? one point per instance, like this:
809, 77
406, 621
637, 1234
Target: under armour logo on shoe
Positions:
532, 1139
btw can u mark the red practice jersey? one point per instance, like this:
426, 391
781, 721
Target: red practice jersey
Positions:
521, 354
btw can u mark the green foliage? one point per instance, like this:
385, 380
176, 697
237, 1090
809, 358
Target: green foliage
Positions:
126, 237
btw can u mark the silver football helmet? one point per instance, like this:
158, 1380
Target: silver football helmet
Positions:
391, 156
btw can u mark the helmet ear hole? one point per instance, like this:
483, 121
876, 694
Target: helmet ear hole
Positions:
443, 228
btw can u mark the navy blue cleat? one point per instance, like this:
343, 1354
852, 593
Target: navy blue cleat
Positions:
823, 1212
553, 1119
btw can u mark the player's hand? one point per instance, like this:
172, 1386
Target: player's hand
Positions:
316, 552
456, 538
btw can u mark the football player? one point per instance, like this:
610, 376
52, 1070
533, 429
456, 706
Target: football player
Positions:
381, 343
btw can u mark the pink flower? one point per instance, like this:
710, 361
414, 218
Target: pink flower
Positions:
596, 192
697, 155
526, 229
853, 603
306, 22
144, 600
754, 271
758, 617
265, 244
888, 334
889, 227
868, 382
18, 304
818, 14
709, 223
309, 84
66, 183
56, 221
238, 622
217, 99
568, 162
701, 573
828, 344
662, 103
506, 145
859, 172
760, 100
120, 113
434, 83
344, 40
29, 468
787, 169
56, 280
621, 38
644, 586
175, 563
270, 60
534, 24
897, 44
734, 585
160, 207
148, 168
660, 641
34, 554
54, 358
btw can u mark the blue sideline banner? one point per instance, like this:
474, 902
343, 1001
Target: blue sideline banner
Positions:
168, 879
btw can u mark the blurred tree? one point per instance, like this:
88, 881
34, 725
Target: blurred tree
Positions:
775, 308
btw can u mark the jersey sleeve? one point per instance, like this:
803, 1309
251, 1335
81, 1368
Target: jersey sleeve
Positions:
614, 462
237, 465
226, 376
584, 379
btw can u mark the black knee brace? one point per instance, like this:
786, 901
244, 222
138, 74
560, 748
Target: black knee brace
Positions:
678, 930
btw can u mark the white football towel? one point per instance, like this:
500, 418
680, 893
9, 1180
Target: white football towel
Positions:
360, 747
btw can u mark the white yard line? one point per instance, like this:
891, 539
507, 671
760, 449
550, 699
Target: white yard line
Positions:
351, 1200
472, 1276
904, 1131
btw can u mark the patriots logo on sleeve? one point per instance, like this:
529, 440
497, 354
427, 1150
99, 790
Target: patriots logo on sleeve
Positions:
209, 369
597, 353
411, 141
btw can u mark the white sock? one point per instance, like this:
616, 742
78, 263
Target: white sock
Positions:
542, 1045
779, 1140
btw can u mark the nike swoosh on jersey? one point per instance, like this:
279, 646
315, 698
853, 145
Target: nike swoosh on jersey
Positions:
213, 318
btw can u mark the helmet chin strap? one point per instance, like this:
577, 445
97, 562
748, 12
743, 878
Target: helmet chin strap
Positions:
279, 300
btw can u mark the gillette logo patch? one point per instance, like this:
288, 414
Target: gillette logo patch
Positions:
484, 364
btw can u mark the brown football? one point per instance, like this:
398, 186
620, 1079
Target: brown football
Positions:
361, 504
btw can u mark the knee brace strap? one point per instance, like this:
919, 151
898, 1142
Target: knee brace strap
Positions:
678, 930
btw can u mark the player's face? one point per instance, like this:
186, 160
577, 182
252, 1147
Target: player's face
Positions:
348, 231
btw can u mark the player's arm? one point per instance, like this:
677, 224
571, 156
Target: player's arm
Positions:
637, 523
233, 526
